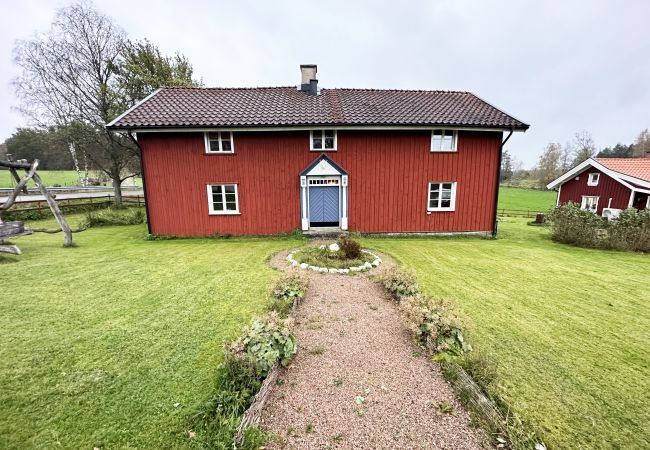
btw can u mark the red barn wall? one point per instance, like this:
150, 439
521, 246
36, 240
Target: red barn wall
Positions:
389, 172
573, 190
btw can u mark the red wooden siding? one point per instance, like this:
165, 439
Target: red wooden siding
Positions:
573, 190
389, 172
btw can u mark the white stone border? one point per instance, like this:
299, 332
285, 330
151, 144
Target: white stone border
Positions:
365, 266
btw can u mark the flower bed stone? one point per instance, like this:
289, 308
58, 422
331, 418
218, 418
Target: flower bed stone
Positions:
361, 268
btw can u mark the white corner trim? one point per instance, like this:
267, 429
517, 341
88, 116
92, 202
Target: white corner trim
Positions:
112, 122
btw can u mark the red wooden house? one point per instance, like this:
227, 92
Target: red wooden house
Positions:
272, 160
606, 186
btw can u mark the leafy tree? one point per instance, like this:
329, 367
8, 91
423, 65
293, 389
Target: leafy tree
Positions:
549, 166
32, 143
143, 68
79, 73
618, 151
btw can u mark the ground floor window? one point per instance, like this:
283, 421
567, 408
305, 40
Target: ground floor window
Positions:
223, 199
589, 203
442, 196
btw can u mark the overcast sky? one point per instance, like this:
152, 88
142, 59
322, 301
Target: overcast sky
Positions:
561, 66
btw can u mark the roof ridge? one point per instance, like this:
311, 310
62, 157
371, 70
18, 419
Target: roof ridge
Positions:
437, 91
233, 88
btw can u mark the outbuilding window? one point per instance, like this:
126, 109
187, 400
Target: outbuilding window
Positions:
589, 203
219, 142
323, 140
223, 199
443, 140
593, 179
442, 196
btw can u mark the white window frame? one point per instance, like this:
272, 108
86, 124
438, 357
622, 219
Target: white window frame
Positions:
452, 203
206, 138
583, 203
454, 141
322, 131
225, 212
647, 202
593, 179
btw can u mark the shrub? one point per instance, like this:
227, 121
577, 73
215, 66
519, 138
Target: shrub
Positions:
630, 231
435, 325
572, 225
287, 289
324, 257
351, 249
114, 216
266, 341
400, 284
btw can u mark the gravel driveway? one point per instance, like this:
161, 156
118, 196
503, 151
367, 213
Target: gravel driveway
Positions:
357, 380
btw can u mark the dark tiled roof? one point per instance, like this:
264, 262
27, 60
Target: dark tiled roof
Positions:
287, 106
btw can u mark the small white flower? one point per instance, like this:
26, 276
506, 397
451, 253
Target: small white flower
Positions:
334, 247
322, 247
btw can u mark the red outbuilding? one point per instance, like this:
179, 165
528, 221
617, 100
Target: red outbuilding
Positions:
272, 160
606, 186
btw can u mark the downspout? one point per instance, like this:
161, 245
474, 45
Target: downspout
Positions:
498, 182
144, 184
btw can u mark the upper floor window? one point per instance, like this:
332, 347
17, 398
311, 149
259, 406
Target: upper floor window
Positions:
219, 142
223, 199
443, 140
442, 196
323, 140
593, 179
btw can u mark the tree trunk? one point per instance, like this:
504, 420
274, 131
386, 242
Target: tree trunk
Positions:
117, 191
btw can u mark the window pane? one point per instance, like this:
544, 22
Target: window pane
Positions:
447, 142
214, 145
436, 143
231, 206
225, 146
230, 198
329, 138
317, 141
437, 133
216, 189
218, 205
435, 187
433, 204
230, 188
445, 203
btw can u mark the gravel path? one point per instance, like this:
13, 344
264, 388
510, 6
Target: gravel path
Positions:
357, 380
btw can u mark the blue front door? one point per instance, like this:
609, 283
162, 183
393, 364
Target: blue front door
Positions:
324, 205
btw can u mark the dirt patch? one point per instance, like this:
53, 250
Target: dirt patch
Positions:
357, 380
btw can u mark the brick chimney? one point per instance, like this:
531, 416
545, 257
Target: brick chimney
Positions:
308, 81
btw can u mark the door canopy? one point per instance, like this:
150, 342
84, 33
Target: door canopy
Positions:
323, 166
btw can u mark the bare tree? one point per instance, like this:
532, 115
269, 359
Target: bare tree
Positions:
641, 147
68, 76
506, 166
549, 166
583, 147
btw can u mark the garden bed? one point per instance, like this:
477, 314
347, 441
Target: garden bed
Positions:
334, 258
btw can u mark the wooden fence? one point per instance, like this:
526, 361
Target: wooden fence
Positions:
528, 213
41, 205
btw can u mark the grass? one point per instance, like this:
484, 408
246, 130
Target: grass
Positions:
526, 199
567, 328
50, 178
113, 343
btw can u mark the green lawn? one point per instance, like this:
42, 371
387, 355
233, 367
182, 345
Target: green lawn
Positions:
112, 343
526, 199
50, 178
568, 327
